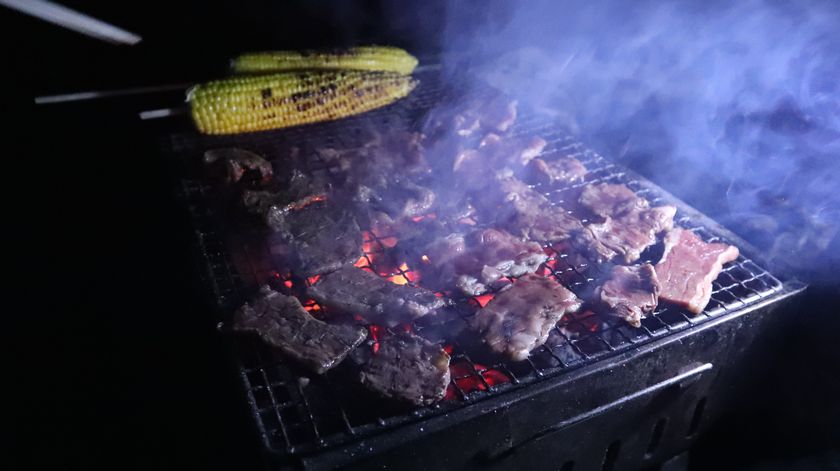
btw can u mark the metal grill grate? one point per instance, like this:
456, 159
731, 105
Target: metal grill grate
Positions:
296, 415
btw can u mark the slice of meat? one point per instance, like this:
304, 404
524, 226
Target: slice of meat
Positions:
495, 156
518, 319
610, 200
688, 268
397, 199
315, 239
630, 293
281, 322
470, 115
383, 154
408, 368
628, 224
499, 253
512, 204
358, 291
628, 235
498, 114
563, 170
473, 261
238, 161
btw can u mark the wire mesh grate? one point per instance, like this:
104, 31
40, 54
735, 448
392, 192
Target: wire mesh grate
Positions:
297, 412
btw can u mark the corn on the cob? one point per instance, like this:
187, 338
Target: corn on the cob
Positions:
255, 103
376, 58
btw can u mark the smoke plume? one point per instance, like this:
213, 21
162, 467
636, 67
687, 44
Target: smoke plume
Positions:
733, 106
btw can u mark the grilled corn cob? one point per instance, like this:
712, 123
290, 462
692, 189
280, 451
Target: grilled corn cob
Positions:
255, 103
379, 58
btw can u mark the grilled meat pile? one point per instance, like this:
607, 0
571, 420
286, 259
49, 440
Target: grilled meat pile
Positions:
457, 196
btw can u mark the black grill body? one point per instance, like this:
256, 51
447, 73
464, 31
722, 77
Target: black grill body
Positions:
596, 396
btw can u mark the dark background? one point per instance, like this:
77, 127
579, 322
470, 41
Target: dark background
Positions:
115, 360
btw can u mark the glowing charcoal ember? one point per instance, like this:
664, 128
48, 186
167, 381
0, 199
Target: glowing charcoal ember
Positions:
476, 377
688, 267
376, 299
362, 262
398, 280
408, 368
518, 319
483, 299
283, 323
424, 217
495, 377
403, 277
412, 276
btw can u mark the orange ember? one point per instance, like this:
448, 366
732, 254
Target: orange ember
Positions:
426, 216
306, 201
398, 280
375, 331
483, 299
313, 279
288, 283
361, 262
401, 278
471, 379
313, 307
425, 259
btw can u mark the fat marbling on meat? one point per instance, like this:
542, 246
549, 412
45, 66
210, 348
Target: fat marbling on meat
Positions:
519, 319
358, 291
408, 368
283, 323
688, 267
630, 293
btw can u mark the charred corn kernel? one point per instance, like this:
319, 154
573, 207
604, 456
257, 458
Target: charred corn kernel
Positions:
376, 58
261, 102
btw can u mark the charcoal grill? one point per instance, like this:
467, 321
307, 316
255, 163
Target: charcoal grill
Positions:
599, 395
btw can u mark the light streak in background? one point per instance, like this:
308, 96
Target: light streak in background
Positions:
73, 20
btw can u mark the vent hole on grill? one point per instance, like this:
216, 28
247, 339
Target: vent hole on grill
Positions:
656, 436
568, 466
611, 455
695, 419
